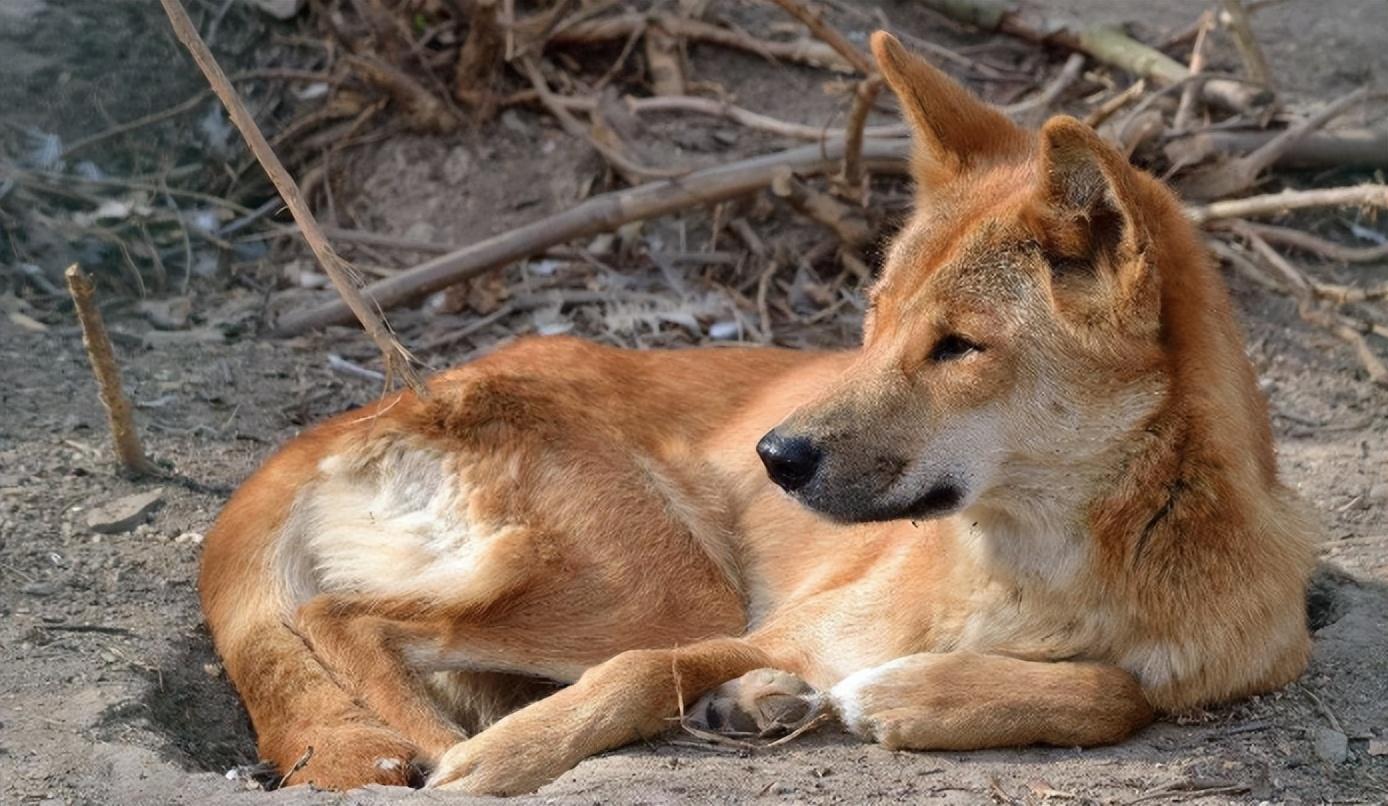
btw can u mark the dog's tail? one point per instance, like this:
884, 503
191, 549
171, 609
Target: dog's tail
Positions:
311, 729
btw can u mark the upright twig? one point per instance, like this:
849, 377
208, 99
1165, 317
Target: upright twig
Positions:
1190, 91
123, 433
1254, 63
863, 98
852, 181
397, 359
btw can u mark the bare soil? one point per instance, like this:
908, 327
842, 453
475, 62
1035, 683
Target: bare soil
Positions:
109, 689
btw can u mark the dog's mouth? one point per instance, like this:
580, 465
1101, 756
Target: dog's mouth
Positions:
847, 505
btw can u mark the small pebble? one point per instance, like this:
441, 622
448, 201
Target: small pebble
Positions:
1331, 746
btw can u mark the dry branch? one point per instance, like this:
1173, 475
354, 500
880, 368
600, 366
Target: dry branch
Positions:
1306, 292
1299, 286
852, 181
828, 34
1342, 148
624, 26
1241, 173
1031, 111
598, 214
396, 358
1254, 63
1287, 200
123, 432
1185, 110
1306, 242
423, 109
663, 61
1104, 44
574, 127
848, 223
480, 60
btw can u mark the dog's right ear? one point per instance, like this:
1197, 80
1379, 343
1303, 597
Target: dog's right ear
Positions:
952, 129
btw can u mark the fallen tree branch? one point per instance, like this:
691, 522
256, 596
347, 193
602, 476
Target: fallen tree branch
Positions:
1341, 148
1241, 173
597, 214
396, 358
124, 435
1274, 203
1107, 45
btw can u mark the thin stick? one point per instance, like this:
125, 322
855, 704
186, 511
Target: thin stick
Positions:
1036, 107
1306, 290
572, 125
1254, 63
1307, 242
397, 359
1191, 90
1274, 203
829, 35
123, 433
807, 51
784, 128
1108, 108
863, 98
847, 222
155, 117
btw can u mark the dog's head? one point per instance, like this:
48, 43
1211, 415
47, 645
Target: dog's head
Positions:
1014, 332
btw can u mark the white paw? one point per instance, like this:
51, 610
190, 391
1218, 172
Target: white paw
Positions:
852, 697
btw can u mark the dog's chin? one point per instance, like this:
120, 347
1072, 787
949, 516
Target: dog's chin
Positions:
942, 499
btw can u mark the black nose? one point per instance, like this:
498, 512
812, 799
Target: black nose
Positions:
790, 461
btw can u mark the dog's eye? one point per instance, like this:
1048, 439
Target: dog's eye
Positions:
952, 348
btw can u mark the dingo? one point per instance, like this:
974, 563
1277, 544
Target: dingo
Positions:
1038, 504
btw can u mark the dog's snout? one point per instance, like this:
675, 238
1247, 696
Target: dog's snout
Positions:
790, 461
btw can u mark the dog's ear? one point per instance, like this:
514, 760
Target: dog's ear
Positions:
951, 128
1091, 221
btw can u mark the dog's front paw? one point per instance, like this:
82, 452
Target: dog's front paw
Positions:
505, 759
762, 702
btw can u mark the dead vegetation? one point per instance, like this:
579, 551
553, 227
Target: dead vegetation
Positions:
1229, 141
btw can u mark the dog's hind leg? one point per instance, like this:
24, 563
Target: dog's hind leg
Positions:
363, 645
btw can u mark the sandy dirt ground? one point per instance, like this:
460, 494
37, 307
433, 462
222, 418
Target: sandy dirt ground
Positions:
110, 691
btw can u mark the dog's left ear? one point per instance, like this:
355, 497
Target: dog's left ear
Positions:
951, 128
1091, 221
